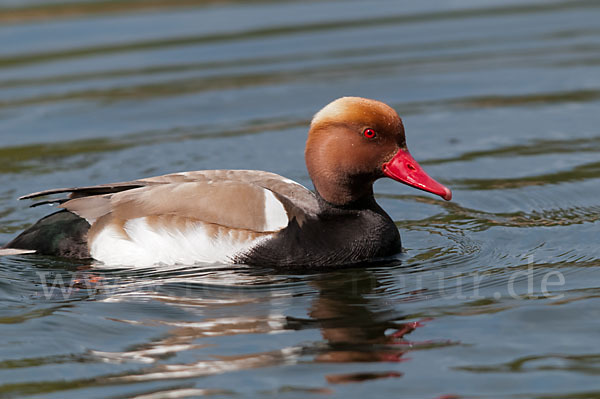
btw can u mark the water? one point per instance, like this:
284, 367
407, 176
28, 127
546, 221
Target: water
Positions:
497, 294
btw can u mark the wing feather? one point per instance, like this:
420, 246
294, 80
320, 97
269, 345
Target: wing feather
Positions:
293, 192
249, 200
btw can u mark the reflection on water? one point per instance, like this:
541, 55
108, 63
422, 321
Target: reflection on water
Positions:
495, 294
354, 326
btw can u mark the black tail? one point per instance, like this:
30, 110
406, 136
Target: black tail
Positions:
60, 234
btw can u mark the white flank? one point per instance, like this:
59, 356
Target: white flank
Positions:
147, 245
276, 217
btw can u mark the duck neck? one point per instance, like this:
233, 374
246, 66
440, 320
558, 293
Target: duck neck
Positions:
354, 197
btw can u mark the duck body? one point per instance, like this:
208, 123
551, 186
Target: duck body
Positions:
276, 222
334, 236
246, 216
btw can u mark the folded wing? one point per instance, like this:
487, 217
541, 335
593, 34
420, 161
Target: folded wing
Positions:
185, 217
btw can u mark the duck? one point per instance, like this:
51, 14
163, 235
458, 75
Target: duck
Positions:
246, 216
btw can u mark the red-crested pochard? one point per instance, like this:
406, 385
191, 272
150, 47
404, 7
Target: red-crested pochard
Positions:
247, 216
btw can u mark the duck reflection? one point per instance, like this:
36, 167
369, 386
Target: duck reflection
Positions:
348, 309
356, 327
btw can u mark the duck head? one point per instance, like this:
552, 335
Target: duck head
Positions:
354, 141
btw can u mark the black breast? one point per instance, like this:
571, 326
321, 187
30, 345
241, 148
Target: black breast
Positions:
336, 236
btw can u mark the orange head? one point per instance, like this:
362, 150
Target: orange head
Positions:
354, 141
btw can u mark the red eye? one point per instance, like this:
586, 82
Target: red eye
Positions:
369, 133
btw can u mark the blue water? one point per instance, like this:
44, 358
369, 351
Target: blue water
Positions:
497, 292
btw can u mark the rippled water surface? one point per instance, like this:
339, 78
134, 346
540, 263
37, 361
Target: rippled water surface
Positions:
498, 292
